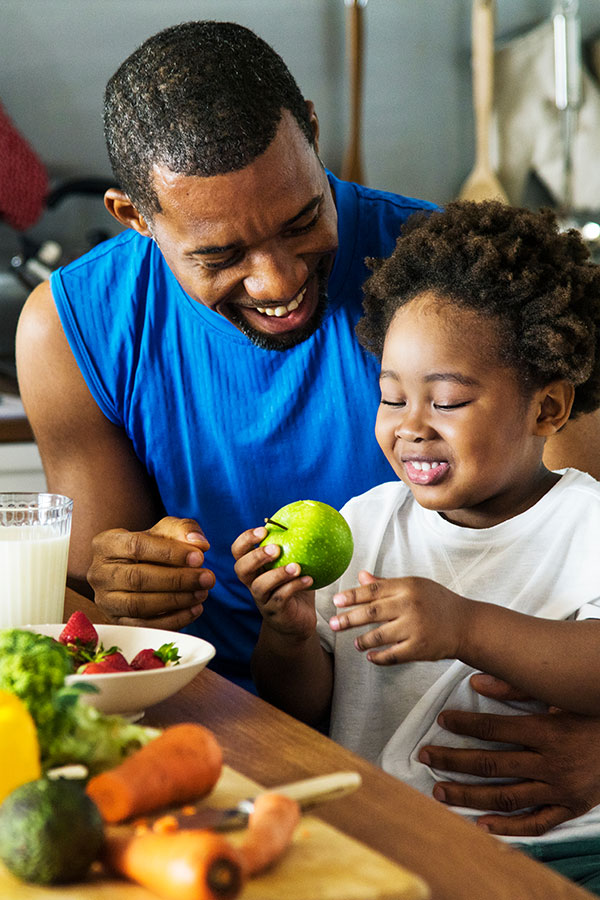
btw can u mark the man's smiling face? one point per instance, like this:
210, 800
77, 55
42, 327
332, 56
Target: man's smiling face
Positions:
256, 245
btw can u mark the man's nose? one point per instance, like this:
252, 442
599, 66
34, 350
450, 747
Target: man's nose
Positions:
275, 275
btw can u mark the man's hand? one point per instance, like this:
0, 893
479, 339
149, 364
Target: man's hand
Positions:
558, 772
153, 578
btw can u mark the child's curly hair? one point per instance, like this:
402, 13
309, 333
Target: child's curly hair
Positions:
512, 265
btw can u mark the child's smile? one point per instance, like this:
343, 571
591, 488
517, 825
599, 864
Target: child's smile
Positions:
454, 421
421, 470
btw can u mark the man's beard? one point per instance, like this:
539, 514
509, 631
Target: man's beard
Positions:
288, 339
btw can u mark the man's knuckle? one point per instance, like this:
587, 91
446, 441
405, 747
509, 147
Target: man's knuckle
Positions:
372, 611
540, 827
132, 578
506, 802
132, 545
488, 767
487, 730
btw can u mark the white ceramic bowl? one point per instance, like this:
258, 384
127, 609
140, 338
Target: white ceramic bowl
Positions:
130, 693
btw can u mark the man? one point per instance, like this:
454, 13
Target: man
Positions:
200, 370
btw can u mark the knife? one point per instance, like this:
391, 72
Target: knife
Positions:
307, 793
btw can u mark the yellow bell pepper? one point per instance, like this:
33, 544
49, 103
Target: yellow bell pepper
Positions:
19, 746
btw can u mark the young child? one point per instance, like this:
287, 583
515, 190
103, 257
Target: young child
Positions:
487, 322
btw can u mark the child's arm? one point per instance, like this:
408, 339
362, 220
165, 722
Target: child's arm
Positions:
557, 662
289, 666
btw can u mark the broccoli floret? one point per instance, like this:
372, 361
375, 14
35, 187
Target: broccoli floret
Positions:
94, 739
33, 666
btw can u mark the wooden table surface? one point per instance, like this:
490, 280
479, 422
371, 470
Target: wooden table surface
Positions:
456, 859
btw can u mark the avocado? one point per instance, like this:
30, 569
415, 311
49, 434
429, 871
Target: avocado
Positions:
50, 831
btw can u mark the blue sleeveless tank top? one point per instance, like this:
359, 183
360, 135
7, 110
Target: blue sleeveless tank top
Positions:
231, 432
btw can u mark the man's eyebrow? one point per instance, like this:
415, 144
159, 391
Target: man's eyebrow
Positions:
455, 377
313, 203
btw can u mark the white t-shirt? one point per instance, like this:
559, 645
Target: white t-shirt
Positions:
544, 562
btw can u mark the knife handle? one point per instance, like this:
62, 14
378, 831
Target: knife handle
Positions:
310, 791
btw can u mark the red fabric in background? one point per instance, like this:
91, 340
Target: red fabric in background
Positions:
23, 178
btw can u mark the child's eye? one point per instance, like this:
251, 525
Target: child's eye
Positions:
396, 403
451, 405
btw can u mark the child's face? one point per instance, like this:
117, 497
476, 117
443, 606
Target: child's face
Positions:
453, 421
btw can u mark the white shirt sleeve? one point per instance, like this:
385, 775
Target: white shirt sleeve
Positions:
590, 610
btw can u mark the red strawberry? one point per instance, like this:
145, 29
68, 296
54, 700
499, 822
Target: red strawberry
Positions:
156, 659
108, 661
79, 636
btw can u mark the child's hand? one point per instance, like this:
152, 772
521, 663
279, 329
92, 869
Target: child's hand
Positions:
421, 619
281, 595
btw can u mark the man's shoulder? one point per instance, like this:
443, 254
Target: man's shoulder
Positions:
120, 253
364, 196
403, 204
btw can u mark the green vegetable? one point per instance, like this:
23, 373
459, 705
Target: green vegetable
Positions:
95, 740
34, 667
50, 831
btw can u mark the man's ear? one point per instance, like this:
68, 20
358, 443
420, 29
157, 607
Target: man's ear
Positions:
122, 209
314, 122
555, 402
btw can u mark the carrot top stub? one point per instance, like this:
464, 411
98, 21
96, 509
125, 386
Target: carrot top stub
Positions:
183, 763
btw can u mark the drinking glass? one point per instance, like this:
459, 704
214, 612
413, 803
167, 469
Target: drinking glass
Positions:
35, 529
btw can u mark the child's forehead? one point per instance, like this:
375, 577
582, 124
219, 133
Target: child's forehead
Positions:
444, 325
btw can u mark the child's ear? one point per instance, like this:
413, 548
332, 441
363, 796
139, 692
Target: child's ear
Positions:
555, 402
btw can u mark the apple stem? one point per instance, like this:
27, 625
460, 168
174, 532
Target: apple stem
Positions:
273, 522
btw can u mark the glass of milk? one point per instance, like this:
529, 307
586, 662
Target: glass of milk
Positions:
34, 545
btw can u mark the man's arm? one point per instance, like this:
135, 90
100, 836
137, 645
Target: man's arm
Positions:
576, 445
89, 459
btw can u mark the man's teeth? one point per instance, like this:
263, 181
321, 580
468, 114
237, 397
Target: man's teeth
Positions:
282, 310
423, 466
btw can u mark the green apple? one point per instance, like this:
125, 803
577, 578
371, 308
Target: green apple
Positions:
313, 534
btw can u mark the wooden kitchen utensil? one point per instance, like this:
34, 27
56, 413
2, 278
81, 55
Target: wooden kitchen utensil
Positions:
352, 165
482, 183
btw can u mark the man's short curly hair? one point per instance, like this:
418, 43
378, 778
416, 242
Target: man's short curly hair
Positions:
512, 265
202, 98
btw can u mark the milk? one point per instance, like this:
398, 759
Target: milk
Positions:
33, 573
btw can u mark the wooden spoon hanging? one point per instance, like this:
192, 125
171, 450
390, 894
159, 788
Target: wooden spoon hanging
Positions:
352, 165
482, 183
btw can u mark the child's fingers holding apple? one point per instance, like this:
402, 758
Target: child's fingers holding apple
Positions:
282, 594
251, 559
285, 601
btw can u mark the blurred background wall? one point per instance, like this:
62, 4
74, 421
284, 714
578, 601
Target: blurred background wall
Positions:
56, 56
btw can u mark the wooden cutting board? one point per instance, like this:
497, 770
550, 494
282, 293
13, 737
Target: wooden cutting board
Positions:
322, 863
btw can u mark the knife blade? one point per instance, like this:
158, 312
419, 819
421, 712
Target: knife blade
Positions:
307, 793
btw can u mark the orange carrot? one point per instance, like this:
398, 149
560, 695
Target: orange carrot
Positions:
270, 831
183, 763
181, 865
